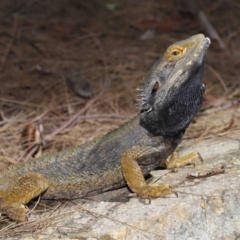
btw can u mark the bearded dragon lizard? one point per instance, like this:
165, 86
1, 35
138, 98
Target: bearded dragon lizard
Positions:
171, 96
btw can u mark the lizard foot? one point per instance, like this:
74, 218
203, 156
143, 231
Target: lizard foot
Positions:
22, 190
16, 212
175, 162
153, 190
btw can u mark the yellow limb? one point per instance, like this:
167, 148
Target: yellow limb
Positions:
22, 190
175, 162
134, 176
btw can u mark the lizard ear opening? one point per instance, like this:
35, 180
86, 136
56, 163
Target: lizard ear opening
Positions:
155, 87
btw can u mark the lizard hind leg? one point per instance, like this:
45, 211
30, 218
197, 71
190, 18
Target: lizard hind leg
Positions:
22, 190
134, 176
175, 162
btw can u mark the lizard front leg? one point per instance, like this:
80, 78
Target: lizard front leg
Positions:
21, 191
134, 176
174, 161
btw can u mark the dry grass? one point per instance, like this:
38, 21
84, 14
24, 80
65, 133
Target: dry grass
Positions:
105, 45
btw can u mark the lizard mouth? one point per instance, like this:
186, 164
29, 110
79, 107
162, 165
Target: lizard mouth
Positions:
207, 42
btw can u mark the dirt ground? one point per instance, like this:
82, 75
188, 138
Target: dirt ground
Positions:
42, 42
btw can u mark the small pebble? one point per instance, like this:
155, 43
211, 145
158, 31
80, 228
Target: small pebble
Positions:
78, 83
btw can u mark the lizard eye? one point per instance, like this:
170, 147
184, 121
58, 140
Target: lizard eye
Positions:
176, 52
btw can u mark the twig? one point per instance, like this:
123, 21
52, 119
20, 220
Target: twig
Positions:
211, 31
33, 45
218, 77
8, 227
39, 198
115, 220
20, 103
207, 25
99, 116
206, 174
31, 152
4, 58
106, 116
73, 118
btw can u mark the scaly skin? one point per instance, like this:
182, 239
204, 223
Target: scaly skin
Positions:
126, 154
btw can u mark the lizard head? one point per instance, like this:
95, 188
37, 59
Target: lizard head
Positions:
173, 91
